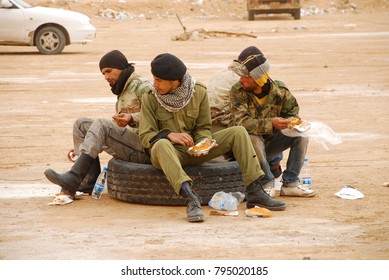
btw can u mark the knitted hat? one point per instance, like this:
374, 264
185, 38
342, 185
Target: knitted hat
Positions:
253, 61
113, 59
168, 67
255, 66
252, 50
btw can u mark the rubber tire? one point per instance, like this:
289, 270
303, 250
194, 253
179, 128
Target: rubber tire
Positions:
144, 184
251, 15
297, 14
50, 40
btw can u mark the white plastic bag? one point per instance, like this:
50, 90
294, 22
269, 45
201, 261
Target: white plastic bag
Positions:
318, 131
349, 192
226, 201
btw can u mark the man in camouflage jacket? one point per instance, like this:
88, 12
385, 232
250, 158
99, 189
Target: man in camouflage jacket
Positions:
263, 107
118, 137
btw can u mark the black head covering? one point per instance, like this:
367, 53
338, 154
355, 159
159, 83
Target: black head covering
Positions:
115, 59
168, 67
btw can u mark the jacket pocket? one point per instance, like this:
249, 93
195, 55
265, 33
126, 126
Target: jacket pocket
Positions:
192, 113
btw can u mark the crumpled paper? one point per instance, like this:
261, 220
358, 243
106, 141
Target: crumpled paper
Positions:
61, 200
349, 192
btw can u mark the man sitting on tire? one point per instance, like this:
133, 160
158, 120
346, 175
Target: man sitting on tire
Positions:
176, 115
118, 137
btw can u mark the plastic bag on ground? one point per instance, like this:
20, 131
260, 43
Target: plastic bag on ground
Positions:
226, 201
318, 131
349, 192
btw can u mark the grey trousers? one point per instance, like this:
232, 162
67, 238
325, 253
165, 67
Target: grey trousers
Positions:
95, 136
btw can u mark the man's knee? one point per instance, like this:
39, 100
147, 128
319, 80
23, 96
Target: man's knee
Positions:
82, 124
160, 146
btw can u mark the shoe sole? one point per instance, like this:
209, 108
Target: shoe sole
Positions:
196, 219
275, 208
295, 195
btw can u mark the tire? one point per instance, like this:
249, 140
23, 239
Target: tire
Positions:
251, 15
144, 184
296, 14
50, 40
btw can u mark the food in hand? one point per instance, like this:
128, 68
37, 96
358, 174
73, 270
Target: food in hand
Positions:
202, 147
293, 121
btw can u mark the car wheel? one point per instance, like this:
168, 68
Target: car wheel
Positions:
50, 40
144, 184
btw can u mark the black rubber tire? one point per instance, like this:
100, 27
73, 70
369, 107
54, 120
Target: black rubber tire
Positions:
144, 184
50, 40
297, 14
251, 15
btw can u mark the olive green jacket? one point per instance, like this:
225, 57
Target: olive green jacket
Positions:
194, 118
257, 118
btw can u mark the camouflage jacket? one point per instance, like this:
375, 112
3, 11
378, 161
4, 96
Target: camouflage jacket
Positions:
129, 101
257, 118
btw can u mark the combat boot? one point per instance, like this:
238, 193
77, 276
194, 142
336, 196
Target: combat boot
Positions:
256, 196
193, 208
71, 180
89, 181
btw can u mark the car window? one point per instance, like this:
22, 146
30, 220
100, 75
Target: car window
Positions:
22, 3
12, 4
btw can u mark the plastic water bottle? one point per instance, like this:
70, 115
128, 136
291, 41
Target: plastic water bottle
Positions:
306, 179
100, 184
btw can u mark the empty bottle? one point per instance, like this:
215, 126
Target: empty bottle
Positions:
100, 184
306, 179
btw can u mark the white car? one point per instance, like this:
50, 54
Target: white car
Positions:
49, 29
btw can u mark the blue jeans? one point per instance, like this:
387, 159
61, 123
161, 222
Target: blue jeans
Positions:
271, 150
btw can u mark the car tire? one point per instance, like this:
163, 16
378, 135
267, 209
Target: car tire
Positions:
50, 40
145, 184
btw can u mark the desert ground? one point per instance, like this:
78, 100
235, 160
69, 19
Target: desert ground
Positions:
335, 60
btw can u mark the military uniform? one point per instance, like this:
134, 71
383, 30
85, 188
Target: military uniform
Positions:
195, 120
257, 119
120, 142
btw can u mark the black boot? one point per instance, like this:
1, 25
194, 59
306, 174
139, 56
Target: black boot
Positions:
256, 196
89, 181
193, 208
71, 180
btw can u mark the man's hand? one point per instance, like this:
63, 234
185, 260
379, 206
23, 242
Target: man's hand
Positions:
280, 123
122, 119
183, 139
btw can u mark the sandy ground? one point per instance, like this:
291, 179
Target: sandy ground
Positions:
336, 64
